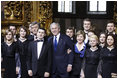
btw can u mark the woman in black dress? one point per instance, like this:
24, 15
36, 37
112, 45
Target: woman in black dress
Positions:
79, 50
102, 41
8, 49
109, 58
92, 56
22, 44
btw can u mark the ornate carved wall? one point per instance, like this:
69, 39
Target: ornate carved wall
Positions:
115, 15
24, 12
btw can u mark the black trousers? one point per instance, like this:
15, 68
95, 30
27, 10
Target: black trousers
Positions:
37, 76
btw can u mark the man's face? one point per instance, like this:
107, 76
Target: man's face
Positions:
110, 27
34, 29
70, 33
55, 29
87, 25
40, 34
13, 29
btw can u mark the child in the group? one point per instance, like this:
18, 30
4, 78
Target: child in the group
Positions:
8, 49
22, 44
109, 58
92, 56
79, 50
102, 39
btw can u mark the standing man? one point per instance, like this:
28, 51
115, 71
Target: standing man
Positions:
70, 33
110, 29
87, 27
13, 29
39, 57
34, 26
62, 61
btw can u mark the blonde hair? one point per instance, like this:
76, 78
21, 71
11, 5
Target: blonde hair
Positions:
94, 36
80, 32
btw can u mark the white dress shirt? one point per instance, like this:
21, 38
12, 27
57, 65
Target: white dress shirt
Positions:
39, 48
82, 47
58, 36
86, 39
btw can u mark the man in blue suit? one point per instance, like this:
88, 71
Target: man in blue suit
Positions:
62, 61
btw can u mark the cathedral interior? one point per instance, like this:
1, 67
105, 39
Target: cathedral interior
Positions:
22, 13
66, 13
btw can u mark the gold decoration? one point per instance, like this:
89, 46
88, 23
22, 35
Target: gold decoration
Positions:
24, 12
28, 10
115, 15
13, 10
45, 14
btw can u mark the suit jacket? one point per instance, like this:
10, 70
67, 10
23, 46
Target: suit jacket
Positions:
61, 58
41, 65
30, 37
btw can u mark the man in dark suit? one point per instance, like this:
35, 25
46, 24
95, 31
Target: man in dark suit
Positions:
14, 30
62, 61
70, 33
39, 56
34, 26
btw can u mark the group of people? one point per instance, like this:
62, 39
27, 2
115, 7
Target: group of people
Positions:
83, 54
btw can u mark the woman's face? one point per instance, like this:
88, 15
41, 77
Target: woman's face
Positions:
80, 38
110, 40
102, 38
93, 42
9, 36
22, 32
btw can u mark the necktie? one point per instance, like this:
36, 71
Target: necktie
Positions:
55, 44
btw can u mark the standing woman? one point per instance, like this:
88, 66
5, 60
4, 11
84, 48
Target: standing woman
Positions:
102, 40
92, 56
102, 43
8, 49
109, 57
79, 50
23, 50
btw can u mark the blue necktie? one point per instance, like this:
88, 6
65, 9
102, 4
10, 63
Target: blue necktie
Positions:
55, 44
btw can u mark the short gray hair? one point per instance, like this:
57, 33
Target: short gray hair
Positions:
35, 22
54, 23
